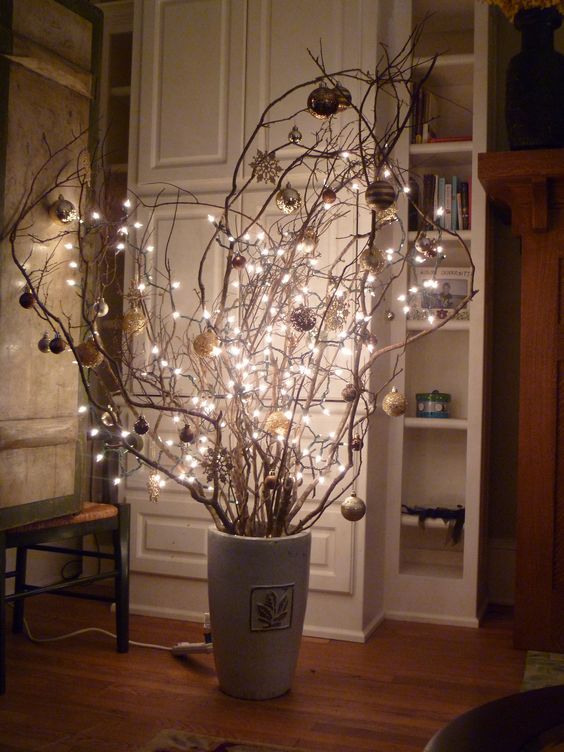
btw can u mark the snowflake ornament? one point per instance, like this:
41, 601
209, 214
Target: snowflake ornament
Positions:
265, 167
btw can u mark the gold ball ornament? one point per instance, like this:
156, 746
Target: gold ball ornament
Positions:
154, 486
394, 403
134, 321
353, 508
372, 260
288, 200
205, 343
323, 102
344, 97
88, 354
277, 423
337, 313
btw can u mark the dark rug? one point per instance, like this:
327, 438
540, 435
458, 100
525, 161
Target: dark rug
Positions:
543, 670
182, 741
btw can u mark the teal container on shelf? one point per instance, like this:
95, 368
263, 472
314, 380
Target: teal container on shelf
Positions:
433, 404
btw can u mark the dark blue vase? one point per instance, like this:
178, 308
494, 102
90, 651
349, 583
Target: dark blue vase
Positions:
535, 83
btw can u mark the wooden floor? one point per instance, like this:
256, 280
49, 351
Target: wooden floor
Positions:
389, 695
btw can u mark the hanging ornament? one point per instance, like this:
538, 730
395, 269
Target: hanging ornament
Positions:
353, 508
426, 246
357, 443
107, 419
390, 315
344, 97
205, 343
295, 136
101, 308
385, 216
57, 344
380, 195
88, 354
238, 261
154, 486
328, 195
270, 482
265, 167
277, 423
308, 241
43, 344
134, 320
349, 393
26, 299
62, 211
372, 260
370, 340
394, 403
141, 426
288, 200
337, 313
303, 319
187, 434
323, 102
134, 441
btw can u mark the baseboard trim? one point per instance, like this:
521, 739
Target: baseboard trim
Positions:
446, 620
166, 613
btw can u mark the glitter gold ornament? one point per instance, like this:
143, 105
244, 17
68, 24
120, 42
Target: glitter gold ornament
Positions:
134, 320
62, 211
288, 200
88, 354
344, 97
394, 403
349, 393
277, 423
337, 312
303, 319
380, 195
154, 486
384, 216
372, 260
265, 167
205, 343
323, 102
353, 508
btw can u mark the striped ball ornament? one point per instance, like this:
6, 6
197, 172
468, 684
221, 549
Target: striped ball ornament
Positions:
380, 195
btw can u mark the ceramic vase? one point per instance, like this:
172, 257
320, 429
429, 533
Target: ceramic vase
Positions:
257, 599
534, 107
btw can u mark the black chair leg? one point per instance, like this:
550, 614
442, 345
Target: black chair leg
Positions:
19, 586
2, 612
121, 554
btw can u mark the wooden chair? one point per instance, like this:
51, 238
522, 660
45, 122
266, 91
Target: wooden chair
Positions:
43, 536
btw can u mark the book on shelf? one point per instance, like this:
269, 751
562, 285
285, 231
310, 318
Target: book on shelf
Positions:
423, 116
452, 195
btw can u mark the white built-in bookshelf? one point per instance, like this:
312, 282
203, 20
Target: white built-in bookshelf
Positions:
437, 462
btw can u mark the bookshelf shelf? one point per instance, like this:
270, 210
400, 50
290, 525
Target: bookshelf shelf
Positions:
461, 66
419, 325
437, 424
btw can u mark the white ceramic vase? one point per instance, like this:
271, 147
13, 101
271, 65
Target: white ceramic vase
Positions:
257, 597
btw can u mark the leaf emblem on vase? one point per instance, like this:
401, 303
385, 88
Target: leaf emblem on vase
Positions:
273, 610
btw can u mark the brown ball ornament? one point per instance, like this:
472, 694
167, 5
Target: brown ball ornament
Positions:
238, 261
344, 97
277, 423
303, 319
88, 354
380, 195
394, 403
349, 393
288, 200
187, 434
323, 102
372, 260
26, 299
328, 195
141, 426
353, 508
57, 344
205, 343
270, 482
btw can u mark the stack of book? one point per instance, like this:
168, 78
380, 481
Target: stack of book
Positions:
422, 116
447, 200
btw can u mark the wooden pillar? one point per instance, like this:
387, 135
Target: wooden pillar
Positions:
531, 185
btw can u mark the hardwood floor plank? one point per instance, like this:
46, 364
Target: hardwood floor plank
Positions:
388, 695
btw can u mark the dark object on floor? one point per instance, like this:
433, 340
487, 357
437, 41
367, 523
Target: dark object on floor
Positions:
93, 519
511, 724
177, 741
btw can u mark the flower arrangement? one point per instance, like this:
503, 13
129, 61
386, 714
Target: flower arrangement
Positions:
249, 384
511, 7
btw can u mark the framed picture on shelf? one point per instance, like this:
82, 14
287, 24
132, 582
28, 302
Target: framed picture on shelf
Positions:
453, 285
